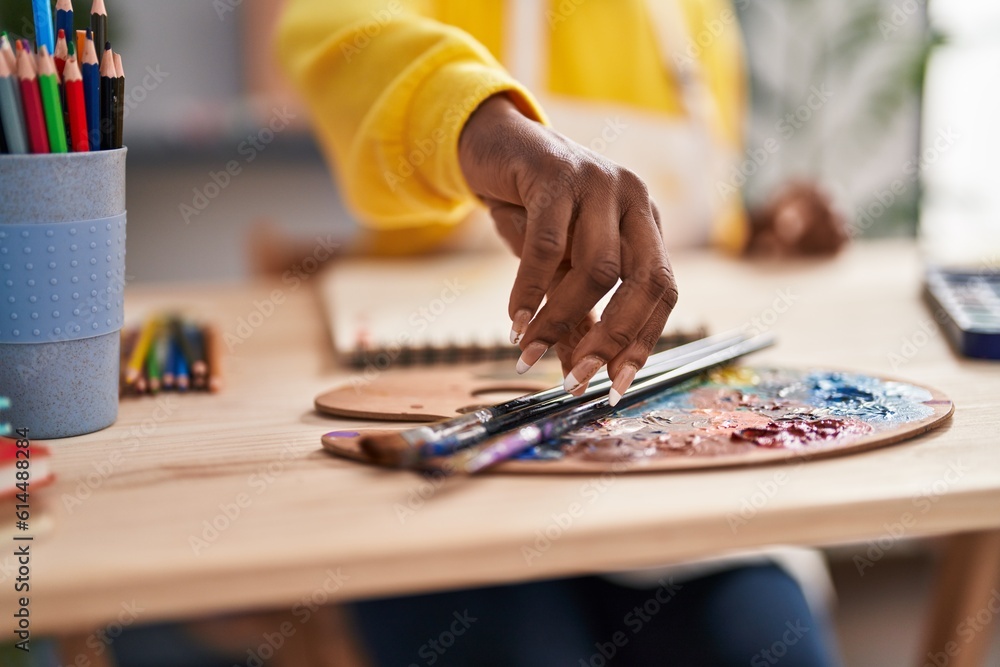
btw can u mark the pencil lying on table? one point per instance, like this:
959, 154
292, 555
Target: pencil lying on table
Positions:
171, 353
408, 447
548, 428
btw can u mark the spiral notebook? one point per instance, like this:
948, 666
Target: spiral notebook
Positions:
431, 309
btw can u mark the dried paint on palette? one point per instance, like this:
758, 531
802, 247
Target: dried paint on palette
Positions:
740, 410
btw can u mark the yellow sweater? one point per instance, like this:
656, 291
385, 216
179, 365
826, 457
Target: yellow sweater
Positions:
390, 84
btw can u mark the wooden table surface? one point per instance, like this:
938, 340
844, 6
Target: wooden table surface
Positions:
131, 515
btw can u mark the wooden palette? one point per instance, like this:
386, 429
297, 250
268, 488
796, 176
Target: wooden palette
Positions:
394, 396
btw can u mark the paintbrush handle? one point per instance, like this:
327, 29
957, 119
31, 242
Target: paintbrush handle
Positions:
439, 439
555, 425
474, 428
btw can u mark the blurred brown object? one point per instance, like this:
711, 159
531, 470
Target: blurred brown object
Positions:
271, 251
798, 220
305, 637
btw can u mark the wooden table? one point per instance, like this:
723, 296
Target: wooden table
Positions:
197, 504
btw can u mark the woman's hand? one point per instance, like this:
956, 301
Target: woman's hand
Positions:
579, 223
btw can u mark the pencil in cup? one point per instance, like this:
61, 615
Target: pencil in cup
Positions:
31, 101
48, 85
76, 106
91, 69
109, 86
11, 113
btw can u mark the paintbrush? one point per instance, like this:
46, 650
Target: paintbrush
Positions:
408, 447
503, 447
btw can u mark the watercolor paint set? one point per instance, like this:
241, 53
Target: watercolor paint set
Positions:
967, 305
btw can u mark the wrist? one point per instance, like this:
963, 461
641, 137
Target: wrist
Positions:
485, 127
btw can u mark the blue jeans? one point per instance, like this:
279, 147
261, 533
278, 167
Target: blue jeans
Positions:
751, 616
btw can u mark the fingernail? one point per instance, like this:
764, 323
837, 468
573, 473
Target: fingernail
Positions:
580, 389
621, 384
530, 356
581, 373
520, 323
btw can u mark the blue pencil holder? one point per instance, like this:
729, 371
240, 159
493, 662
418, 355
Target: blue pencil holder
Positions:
62, 277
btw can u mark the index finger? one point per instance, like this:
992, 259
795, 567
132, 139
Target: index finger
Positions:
545, 239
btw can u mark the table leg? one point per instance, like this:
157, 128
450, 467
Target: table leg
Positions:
73, 650
965, 602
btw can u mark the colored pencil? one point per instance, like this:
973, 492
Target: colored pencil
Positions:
182, 379
44, 35
213, 355
128, 339
407, 448
119, 101
99, 27
11, 113
64, 18
81, 44
548, 428
61, 53
31, 100
168, 364
107, 124
142, 345
153, 359
48, 84
73, 84
8, 52
92, 92
194, 341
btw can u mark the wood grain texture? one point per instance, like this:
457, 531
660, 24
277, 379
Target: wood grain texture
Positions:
303, 525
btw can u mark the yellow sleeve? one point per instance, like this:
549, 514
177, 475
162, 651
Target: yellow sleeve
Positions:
389, 90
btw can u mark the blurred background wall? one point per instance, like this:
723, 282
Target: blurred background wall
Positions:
201, 85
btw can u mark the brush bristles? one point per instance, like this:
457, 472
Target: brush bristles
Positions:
389, 449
